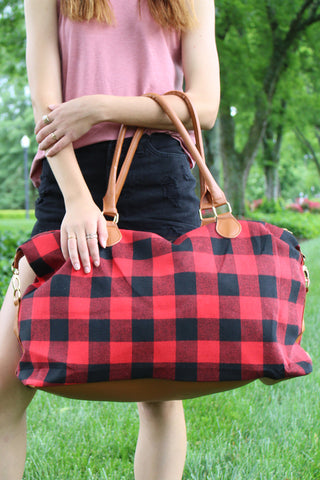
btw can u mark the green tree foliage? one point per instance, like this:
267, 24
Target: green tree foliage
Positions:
12, 41
295, 108
16, 119
258, 44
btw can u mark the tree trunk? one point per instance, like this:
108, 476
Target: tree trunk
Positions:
272, 141
232, 162
211, 143
272, 182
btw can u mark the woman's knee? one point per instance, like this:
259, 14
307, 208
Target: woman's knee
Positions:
9, 358
160, 411
14, 396
12, 392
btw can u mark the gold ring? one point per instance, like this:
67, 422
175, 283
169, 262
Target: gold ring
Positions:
46, 119
71, 236
53, 135
91, 235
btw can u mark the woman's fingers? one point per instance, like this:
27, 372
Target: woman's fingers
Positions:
72, 247
94, 238
49, 135
82, 245
45, 133
83, 253
52, 141
55, 148
64, 244
93, 248
64, 124
44, 125
69, 248
102, 231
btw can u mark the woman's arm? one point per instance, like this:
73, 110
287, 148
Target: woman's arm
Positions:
70, 120
43, 66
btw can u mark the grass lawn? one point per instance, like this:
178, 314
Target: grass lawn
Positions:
13, 220
256, 432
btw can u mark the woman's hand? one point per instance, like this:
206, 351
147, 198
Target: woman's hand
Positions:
83, 227
65, 123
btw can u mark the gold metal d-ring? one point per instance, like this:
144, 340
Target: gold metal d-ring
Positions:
306, 276
16, 285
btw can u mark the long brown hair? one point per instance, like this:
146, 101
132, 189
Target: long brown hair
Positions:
177, 14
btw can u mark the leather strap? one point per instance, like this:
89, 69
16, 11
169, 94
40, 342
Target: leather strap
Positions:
227, 225
212, 197
205, 196
109, 203
115, 184
204, 192
127, 162
194, 117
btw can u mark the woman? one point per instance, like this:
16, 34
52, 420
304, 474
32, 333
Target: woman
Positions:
88, 64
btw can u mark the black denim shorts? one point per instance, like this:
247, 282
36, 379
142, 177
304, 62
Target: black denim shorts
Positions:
158, 196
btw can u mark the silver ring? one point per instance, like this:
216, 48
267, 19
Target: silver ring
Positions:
46, 119
53, 135
91, 235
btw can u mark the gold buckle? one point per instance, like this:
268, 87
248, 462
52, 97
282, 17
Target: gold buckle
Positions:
306, 276
115, 218
216, 210
16, 285
306, 272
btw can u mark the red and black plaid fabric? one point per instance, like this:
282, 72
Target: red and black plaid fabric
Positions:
204, 308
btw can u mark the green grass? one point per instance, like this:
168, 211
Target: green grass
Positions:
257, 432
17, 214
24, 225
15, 220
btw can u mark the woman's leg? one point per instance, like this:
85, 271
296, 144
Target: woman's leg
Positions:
14, 397
162, 441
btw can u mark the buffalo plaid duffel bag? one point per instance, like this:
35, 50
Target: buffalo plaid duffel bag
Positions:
224, 302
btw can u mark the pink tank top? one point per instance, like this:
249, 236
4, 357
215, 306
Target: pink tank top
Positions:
132, 57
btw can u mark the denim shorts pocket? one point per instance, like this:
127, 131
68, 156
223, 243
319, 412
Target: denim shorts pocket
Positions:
162, 145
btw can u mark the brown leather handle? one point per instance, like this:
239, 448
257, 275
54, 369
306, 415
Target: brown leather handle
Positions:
227, 226
214, 198
194, 117
206, 200
218, 196
126, 165
115, 184
204, 192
